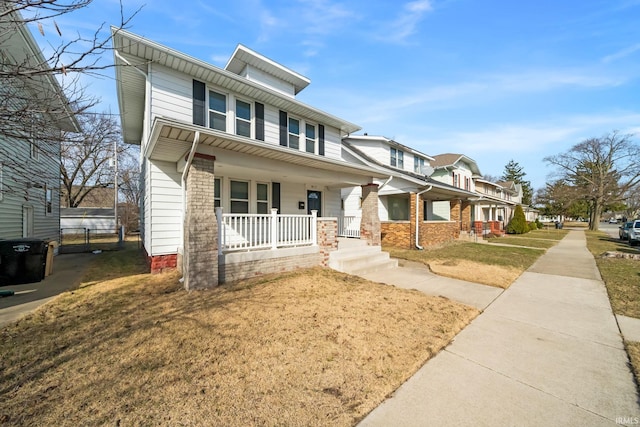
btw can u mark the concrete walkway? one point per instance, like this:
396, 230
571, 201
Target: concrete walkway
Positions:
547, 351
67, 272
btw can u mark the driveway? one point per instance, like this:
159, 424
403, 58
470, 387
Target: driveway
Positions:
67, 273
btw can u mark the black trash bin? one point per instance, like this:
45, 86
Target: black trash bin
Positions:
22, 260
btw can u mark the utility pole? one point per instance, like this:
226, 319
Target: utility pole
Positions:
115, 184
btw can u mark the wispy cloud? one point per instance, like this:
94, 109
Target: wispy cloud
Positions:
621, 53
406, 23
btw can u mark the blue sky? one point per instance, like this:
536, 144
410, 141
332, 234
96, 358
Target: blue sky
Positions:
495, 80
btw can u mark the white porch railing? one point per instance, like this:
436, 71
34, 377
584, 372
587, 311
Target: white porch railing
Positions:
349, 226
265, 231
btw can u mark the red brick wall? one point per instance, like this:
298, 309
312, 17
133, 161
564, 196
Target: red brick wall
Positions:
396, 234
327, 238
162, 263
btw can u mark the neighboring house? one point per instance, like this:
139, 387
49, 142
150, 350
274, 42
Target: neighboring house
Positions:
78, 220
29, 164
96, 197
234, 138
408, 192
496, 204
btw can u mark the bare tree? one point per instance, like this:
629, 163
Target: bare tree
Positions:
602, 170
87, 157
34, 111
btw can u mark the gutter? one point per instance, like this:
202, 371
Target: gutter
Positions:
418, 215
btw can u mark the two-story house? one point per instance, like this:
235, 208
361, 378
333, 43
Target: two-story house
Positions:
237, 140
34, 109
496, 204
415, 209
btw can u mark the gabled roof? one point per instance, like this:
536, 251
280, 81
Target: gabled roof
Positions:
437, 188
244, 56
85, 212
391, 142
133, 53
446, 160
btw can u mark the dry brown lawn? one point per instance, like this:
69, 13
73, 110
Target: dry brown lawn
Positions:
493, 275
315, 347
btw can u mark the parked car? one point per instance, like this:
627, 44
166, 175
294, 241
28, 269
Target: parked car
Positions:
623, 231
613, 221
634, 233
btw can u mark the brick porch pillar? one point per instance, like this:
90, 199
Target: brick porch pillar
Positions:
200, 246
370, 222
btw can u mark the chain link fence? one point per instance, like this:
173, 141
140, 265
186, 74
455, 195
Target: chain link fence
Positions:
74, 240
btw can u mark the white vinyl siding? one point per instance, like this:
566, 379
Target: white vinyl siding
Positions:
165, 202
258, 76
332, 143
27, 188
171, 94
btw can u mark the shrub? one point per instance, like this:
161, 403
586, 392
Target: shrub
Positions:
539, 224
518, 224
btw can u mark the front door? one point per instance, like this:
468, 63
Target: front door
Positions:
314, 202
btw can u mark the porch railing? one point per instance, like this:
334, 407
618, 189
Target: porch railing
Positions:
239, 232
349, 226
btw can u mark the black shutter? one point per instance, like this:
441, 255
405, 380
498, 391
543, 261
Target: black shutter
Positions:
284, 129
199, 110
259, 121
321, 140
275, 196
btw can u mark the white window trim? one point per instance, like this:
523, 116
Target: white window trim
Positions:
231, 199
226, 109
314, 139
268, 200
251, 117
300, 134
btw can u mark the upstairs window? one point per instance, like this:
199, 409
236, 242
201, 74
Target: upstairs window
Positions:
310, 135
455, 179
397, 158
217, 111
418, 165
243, 118
48, 200
294, 133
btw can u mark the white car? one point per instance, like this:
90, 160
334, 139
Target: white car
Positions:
634, 233
613, 221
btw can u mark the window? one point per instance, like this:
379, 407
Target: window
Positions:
262, 195
33, 149
436, 210
216, 192
48, 200
243, 118
310, 134
455, 179
418, 165
397, 158
398, 208
294, 133
239, 197
467, 184
217, 111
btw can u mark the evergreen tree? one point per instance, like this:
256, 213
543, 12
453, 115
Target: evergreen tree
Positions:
518, 224
514, 172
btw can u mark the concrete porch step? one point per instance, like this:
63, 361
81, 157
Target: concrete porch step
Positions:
355, 256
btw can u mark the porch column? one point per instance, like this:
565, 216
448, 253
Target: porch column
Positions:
370, 223
200, 245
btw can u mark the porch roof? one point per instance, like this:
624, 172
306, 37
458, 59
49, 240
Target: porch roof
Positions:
171, 141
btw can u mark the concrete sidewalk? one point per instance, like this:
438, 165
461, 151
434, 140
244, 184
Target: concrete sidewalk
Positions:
547, 351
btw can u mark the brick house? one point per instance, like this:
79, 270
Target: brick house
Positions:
239, 176
415, 209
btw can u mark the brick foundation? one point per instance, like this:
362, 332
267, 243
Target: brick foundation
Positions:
162, 263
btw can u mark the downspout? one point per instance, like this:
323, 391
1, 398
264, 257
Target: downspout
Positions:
418, 215
185, 173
